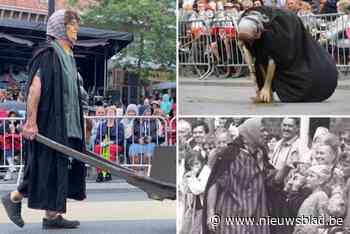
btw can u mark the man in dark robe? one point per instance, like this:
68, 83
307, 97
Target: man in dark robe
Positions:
54, 110
236, 187
288, 60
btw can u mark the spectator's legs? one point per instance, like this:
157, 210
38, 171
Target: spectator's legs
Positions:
98, 150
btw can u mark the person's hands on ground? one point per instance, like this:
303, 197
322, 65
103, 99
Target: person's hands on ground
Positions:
257, 98
266, 95
30, 130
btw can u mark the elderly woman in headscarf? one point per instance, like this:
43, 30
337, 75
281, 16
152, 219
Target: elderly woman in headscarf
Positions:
55, 110
236, 185
287, 60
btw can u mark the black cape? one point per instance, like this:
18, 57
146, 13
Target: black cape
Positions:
305, 72
49, 181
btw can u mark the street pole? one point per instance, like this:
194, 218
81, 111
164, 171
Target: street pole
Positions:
51, 7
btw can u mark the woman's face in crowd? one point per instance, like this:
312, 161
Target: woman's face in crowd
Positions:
100, 111
131, 113
111, 112
208, 147
196, 166
312, 180
222, 140
198, 134
323, 155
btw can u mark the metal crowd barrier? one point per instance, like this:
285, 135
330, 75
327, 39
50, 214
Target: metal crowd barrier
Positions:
11, 153
129, 152
333, 32
116, 150
229, 61
225, 56
194, 47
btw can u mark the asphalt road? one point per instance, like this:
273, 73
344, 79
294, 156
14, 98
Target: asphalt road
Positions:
231, 100
124, 211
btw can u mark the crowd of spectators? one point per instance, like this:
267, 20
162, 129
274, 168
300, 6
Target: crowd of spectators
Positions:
301, 179
129, 135
218, 18
115, 132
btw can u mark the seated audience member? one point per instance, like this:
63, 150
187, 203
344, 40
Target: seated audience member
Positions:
109, 141
128, 124
99, 112
145, 139
10, 142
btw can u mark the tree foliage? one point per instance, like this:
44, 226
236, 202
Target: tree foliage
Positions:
153, 23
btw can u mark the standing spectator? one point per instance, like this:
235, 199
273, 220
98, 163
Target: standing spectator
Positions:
109, 141
344, 139
166, 104
146, 104
172, 126
289, 149
199, 130
193, 186
316, 204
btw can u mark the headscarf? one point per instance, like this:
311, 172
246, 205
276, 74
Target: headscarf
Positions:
252, 23
132, 107
55, 25
250, 131
166, 104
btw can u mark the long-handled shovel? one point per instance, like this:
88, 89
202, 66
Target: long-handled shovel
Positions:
155, 189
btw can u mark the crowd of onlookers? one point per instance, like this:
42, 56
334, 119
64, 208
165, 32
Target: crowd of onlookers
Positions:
121, 134
127, 139
209, 26
301, 179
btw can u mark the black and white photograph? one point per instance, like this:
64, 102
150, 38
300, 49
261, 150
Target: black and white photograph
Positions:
273, 175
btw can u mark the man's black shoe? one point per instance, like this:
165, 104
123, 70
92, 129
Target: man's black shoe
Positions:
59, 223
99, 178
108, 177
13, 210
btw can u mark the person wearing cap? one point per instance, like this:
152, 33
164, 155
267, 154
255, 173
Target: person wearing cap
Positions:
288, 60
54, 110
